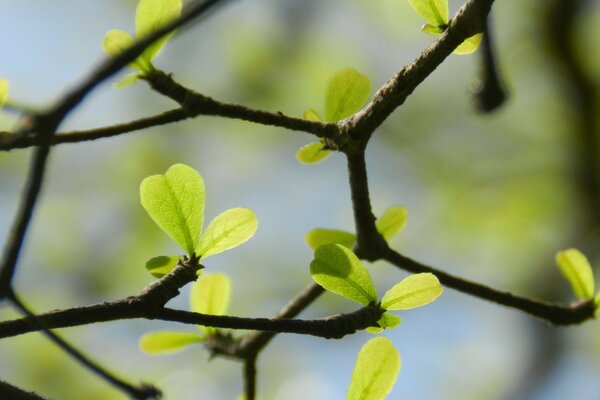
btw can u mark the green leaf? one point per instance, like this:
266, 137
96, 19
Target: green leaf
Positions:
386, 321
210, 294
312, 153
312, 115
435, 12
161, 265
469, 45
175, 201
318, 237
116, 41
391, 221
432, 30
228, 230
337, 269
597, 300
162, 342
150, 16
375, 371
413, 291
127, 80
346, 92
3, 91
576, 268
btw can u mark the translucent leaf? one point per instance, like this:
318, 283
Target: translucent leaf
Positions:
3, 91
151, 15
597, 300
346, 92
127, 80
312, 153
576, 268
116, 41
318, 237
210, 295
338, 270
375, 371
435, 12
163, 342
432, 30
391, 221
226, 231
469, 45
413, 291
312, 115
161, 265
386, 321
175, 201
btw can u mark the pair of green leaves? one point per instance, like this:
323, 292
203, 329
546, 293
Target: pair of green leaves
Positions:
347, 91
175, 201
210, 294
577, 270
435, 13
150, 16
338, 270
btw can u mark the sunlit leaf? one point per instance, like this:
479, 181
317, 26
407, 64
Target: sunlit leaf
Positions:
435, 12
312, 115
337, 269
127, 80
116, 41
413, 291
346, 92
210, 294
432, 30
318, 237
161, 265
469, 45
576, 268
3, 91
175, 201
387, 321
391, 221
163, 342
312, 153
375, 371
150, 16
228, 230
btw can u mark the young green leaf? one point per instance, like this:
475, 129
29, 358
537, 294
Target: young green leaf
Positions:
210, 295
311, 115
228, 230
337, 269
576, 268
432, 30
413, 291
312, 153
435, 12
318, 237
469, 45
386, 321
116, 41
162, 342
127, 80
375, 371
161, 265
391, 221
346, 92
175, 201
3, 91
150, 16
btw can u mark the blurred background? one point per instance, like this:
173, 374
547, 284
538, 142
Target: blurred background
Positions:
491, 197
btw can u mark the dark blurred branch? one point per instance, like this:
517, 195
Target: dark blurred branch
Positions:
250, 378
10, 392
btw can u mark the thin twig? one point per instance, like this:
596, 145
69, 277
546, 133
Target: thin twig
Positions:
250, 378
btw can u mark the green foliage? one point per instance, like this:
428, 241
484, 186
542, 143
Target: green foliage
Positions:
386, 321
347, 91
375, 372
319, 237
577, 270
228, 230
391, 221
3, 91
210, 294
413, 291
161, 265
337, 269
312, 153
166, 341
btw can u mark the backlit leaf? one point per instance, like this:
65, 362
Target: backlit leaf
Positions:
435, 12
210, 294
387, 321
175, 201
116, 41
413, 291
312, 153
576, 268
312, 115
391, 221
337, 269
375, 371
432, 30
127, 80
469, 45
163, 342
318, 237
150, 16
161, 265
346, 92
3, 91
228, 230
